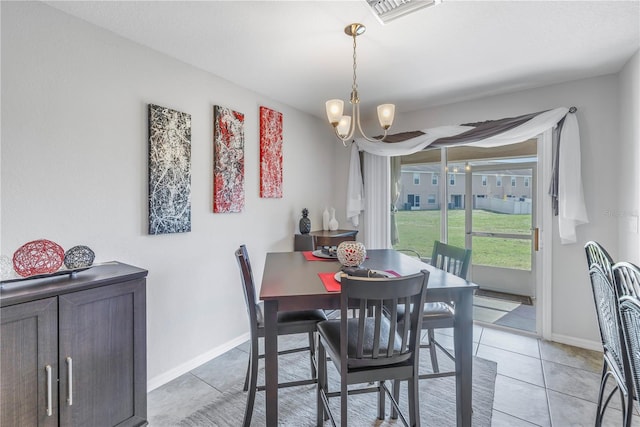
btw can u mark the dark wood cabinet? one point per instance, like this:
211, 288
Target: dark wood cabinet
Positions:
73, 349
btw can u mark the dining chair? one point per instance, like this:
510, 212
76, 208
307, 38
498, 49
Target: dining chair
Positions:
596, 254
438, 315
615, 360
372, 347
289, 322
630, 319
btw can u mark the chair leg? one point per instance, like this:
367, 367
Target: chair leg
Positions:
433, 351
629, 409
252, 345
320, 386
396, 396
246, 378
312, 354
602, 406
253, 383
414, 406
344, 395
381, 404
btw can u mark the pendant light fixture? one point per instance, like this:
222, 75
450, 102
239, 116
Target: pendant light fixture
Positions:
345, 126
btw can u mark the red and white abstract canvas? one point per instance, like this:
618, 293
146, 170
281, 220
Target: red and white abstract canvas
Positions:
270, 153
228, 162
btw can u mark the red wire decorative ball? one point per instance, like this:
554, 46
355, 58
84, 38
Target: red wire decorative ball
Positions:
38, 257
351, 253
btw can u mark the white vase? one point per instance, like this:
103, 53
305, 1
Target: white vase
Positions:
325, 219
333, 222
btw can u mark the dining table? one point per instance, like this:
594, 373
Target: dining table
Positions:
292, 281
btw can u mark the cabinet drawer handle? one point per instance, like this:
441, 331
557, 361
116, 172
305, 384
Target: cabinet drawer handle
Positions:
69, 381
47, 368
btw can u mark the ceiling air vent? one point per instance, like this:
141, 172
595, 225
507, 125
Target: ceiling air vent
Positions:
388, 10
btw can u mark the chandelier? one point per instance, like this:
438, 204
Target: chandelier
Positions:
345, 126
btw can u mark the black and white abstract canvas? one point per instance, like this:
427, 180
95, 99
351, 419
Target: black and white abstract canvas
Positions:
169, 171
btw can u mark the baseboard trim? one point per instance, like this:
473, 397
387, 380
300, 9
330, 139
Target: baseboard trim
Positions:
577, 342
174, 373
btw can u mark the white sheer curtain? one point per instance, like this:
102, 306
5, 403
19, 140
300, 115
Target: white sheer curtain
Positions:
572, 210
377, 232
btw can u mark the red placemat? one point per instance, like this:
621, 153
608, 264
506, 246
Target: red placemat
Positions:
309, 256
329, 281
332, 285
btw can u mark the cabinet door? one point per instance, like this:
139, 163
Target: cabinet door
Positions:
103, 356
28, 364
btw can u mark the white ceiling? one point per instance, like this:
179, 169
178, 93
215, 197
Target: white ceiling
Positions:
296, 52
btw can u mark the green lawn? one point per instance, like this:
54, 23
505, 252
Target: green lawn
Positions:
418, 230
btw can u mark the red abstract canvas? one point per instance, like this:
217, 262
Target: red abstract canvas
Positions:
270, 153
228, 162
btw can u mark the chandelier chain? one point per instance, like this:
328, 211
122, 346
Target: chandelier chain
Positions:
354, 86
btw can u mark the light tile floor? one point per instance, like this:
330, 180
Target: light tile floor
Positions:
539, 383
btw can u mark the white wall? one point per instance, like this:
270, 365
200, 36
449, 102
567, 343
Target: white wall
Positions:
597, 101
627, 170
74, 170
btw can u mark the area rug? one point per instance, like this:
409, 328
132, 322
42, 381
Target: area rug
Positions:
297, 405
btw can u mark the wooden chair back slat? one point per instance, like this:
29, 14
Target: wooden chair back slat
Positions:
452, 259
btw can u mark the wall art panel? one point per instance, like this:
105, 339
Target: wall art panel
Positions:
228, 162
270, 153
169, 171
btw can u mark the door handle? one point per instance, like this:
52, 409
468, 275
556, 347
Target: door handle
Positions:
47, 369
69, 381
536, 239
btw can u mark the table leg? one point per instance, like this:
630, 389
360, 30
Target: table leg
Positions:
463, 344
271, 361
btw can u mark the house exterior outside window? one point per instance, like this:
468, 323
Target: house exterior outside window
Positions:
526, 181
431, 199
452, 179
498, 181
434, 179
513, 181
484, 180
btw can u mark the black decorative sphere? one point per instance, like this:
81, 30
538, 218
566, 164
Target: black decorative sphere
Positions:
79, 257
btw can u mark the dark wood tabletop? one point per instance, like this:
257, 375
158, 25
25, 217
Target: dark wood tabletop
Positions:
288, 274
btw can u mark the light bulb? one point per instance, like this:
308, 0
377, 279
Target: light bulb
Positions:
386, 112
334, 111
343, 126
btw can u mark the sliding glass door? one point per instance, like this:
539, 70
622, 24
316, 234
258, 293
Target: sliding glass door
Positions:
500, 225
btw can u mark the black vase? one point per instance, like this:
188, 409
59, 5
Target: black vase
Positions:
305, 225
